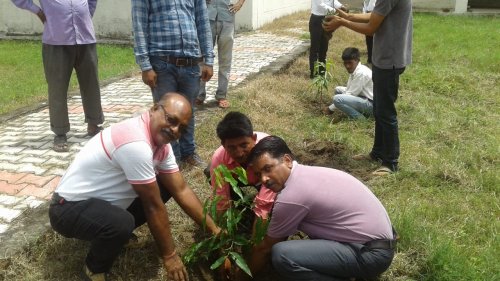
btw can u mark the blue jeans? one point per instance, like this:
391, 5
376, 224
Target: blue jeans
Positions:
223, 36
354, 107
385, 94
324, 260
184, 80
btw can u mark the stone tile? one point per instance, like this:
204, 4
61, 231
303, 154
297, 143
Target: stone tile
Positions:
35, 180
11, 189
30, 168
8, 199
32, 190
10, 177
3, 228
8, 214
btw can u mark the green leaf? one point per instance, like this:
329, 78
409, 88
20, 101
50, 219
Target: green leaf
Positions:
240, 262
218, 262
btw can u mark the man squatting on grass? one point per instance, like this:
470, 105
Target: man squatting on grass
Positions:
355, 100
391, 24
237, 138
121, 179
350, 232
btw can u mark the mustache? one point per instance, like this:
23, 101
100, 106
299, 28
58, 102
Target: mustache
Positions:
169, 133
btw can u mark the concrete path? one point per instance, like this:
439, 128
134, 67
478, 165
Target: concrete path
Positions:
30, 170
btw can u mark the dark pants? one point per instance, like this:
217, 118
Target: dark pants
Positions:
319, 43
369, 47
58, 63
107, 227
324, 260
385, 94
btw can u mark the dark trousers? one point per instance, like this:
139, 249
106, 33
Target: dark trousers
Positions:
58, 63
319, 43
107, 227
369, 47
385, 94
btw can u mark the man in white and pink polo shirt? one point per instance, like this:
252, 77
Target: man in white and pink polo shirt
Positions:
120, 180
237, 137
351, 236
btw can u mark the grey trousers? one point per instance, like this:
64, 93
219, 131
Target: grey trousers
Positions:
58, 63
223, 37
324, 260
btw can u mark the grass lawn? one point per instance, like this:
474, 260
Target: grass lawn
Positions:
23, 80
444, 201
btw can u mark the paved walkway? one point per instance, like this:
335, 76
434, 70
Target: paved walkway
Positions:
30, 170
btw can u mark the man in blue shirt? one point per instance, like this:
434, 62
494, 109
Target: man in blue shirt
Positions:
174, 50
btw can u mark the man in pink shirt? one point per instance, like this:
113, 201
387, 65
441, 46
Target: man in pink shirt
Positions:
237, 137
350, 232
120, 180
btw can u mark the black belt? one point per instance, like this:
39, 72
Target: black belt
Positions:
181, 61
381, 244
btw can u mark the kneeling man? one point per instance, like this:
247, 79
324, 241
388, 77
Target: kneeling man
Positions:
121, 180
350, 233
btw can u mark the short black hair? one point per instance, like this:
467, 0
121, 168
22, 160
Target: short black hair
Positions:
350, 53
274, 145
234, 125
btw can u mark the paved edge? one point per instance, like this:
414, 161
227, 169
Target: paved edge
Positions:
32, 224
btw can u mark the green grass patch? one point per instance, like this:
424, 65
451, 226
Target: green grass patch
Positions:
22, 76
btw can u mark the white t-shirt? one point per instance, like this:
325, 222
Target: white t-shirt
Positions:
316, 8
108, 165
360, 82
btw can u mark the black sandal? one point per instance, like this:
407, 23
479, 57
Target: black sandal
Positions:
60, 143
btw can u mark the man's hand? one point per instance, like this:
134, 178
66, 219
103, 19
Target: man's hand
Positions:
175, 268
149, 78
206, 72
41, 16
343, 13
331, 23
236, 7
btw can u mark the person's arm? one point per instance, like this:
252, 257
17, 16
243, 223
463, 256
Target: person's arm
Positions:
187, 199
30, 6
261, 254
159, 224
140, 23
237, 6
92, 7
205, 38
355, 22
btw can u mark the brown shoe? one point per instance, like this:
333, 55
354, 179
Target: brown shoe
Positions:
363, 157
326, 110
382, 171
88, 275
193, 160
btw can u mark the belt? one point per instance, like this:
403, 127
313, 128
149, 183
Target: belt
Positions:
381, 244
181, 61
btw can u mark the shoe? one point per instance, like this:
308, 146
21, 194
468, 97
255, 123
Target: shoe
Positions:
382, 171
223, 103
326, 110
60, 143
194, 160
93, 130
88, 275
364, 157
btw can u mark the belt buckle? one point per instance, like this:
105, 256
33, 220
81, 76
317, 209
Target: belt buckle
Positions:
181, 62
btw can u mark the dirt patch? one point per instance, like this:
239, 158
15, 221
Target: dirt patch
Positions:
332, 155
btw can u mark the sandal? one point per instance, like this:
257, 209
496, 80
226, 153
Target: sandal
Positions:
60, 143
382, 171
223, 103
92, 131
198, 102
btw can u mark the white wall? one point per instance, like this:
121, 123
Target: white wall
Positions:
113, 19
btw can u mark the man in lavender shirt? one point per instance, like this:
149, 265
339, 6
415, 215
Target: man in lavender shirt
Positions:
68, 42
350, 232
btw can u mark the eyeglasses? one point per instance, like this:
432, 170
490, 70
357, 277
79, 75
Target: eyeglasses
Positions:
172, 121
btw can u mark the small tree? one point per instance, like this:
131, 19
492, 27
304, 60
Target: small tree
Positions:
322, 78
229, 244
